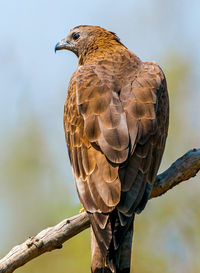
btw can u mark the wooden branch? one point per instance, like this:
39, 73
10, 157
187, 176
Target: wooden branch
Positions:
52, 238
47, 240
181, 170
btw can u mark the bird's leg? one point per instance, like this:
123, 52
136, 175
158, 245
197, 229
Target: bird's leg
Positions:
81, 210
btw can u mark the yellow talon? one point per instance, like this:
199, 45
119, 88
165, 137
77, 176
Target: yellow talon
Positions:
82, 210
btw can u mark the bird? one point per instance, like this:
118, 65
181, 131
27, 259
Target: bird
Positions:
116, 118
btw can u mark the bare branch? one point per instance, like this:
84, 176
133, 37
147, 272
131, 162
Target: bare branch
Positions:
181, 170
52, 238
47, 240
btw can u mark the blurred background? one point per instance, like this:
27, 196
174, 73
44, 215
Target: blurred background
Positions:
36, 184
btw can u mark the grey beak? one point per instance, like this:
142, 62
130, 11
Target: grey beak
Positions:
62, 45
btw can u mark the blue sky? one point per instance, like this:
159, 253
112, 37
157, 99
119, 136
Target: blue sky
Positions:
33, 77
30, 29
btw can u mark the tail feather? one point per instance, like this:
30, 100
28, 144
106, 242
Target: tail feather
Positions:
123, 253
111, 253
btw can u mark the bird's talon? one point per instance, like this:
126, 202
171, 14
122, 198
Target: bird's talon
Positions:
82, 210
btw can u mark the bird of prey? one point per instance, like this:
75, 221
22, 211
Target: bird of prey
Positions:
116, 121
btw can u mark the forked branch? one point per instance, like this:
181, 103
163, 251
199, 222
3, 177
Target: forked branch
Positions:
52, 238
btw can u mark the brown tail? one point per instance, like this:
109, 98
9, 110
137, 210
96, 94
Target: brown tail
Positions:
114, 255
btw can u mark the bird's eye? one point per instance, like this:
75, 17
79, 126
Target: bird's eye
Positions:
75, 36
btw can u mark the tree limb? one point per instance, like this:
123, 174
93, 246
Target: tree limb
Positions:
47, 240
181, 170
52, 238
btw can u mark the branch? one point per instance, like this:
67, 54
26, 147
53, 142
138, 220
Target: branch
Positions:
181, 170
47, 240
52, 238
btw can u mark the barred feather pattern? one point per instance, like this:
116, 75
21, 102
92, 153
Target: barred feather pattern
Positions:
116, 121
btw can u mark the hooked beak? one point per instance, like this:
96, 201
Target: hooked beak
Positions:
63, 44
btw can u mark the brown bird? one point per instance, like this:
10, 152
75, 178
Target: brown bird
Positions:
116, 121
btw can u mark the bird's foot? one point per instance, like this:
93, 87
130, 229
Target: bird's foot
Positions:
81, 210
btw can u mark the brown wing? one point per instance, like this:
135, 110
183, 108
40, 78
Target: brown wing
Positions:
101, 128
96, 134
115, 140
105, 129
145, 102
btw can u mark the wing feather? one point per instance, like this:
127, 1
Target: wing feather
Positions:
145, 102
115, 139
116, 123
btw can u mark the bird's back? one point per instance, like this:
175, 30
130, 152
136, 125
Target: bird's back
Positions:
116, 123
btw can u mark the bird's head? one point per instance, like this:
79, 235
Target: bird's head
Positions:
81, 38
